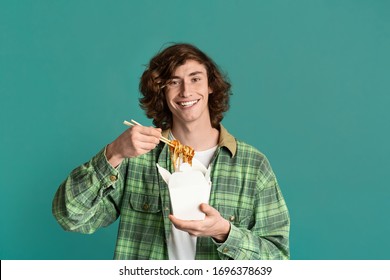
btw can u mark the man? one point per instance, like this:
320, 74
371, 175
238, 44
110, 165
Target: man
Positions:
246, 218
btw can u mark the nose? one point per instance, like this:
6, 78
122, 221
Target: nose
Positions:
185, 90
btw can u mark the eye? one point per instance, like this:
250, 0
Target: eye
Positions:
174, 82
195, 79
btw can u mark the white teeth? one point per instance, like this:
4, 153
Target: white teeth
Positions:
188, 103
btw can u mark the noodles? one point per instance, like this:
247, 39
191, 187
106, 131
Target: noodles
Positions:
180, 154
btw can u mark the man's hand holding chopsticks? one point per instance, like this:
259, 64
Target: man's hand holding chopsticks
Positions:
133, 142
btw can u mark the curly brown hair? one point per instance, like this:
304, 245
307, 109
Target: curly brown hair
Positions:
160, 70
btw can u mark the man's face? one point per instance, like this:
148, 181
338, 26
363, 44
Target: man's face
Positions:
187, 93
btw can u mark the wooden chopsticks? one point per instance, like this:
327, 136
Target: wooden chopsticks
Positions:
162, 139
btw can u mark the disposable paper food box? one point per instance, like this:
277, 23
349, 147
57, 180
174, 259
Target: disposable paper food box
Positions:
188, 188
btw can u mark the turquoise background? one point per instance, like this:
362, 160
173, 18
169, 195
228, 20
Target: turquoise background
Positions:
311, 90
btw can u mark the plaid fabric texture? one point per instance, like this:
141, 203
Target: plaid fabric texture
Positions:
244, 190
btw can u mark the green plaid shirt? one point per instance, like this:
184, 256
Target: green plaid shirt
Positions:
244, 190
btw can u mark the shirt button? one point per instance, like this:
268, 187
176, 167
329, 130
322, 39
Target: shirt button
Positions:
225, 250
232, 218
113, 178
146, 206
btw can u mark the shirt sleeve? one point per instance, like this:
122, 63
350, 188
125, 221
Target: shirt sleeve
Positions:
89, 197
269, 237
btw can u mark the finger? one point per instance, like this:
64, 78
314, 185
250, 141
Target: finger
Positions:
148, 142
145, 135
174, 220
182, 224
207, 209
144, 146
148, 136
149, 131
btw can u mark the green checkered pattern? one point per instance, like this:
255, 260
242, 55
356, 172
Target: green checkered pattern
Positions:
244, 190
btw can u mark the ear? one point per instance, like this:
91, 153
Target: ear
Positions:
210, 90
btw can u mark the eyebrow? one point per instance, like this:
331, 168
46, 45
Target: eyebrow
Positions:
196, 73
190, 75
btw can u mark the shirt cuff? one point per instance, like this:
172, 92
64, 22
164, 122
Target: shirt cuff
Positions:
230, 249
106, 174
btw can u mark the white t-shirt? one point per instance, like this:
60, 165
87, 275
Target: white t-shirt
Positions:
181, 245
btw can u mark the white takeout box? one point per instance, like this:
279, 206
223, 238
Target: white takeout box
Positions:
188, 188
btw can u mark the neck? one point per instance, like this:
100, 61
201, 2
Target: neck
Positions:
198, 136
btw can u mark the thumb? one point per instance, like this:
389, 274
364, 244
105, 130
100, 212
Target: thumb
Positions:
207, 209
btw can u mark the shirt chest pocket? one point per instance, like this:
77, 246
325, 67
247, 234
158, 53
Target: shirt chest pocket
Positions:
145, 203
239, 217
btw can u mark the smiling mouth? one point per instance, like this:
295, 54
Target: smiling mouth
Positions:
187, 104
